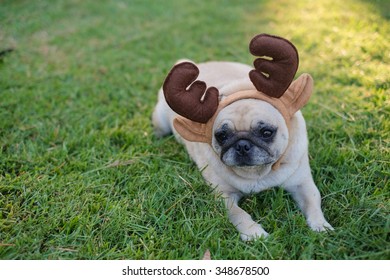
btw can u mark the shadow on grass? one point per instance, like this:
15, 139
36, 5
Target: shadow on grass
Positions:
382, 6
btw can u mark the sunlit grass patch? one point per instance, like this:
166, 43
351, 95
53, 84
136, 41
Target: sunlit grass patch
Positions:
83, 177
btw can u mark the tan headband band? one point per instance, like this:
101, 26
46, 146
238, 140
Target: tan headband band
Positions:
294, 99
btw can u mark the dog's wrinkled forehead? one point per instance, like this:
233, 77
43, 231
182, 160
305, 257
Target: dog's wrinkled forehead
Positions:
245, 114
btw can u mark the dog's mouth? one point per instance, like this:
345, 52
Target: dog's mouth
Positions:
246, 162
252, 164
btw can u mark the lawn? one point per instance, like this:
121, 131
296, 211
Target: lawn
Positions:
83, 177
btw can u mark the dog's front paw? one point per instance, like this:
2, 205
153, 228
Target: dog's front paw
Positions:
253, 232
319, 226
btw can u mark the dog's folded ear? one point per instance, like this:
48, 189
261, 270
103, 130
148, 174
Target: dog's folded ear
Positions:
298, 93
190, 130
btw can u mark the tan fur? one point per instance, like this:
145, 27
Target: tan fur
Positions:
290, 146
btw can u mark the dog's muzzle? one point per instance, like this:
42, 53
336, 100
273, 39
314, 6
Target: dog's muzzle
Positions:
244, 152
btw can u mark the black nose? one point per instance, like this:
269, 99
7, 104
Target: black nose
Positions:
243, 147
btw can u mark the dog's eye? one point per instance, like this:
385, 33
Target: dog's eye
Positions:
222, 136
266, 133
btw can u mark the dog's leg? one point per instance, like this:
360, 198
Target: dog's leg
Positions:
244, 223
160, 118
306, 194
248, 229
308, 199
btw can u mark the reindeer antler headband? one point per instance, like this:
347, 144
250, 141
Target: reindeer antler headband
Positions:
272, 77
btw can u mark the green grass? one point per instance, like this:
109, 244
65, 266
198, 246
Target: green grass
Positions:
83, 177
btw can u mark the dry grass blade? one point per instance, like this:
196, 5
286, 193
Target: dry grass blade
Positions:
6, 245
121, 163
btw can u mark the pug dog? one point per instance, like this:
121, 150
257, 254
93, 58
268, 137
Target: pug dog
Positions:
246, 133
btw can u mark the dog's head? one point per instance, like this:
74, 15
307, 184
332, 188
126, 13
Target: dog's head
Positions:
248, 127
249, 133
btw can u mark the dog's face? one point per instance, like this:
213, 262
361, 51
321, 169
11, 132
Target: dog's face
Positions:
249, 133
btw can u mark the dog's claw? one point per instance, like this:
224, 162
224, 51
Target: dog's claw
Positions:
254, 232
320, 226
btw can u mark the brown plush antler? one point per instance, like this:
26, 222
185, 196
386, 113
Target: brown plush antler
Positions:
195, 103
277, 65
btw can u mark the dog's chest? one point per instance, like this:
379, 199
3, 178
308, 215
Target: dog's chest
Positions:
254, 184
